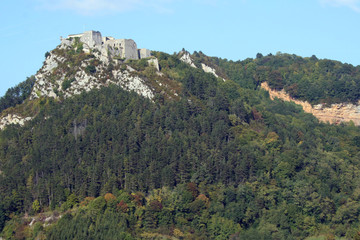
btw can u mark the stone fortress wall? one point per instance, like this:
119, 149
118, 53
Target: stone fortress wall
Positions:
122, 48
144, 53
130, 50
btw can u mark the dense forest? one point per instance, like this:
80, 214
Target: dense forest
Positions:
221, 162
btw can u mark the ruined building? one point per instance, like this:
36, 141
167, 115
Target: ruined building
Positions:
119, 48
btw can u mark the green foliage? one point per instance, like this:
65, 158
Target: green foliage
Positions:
78, 46
90, 69
72, 200
310, 79
74, 57
38, 229
222, 161
17, 94
36, 206
84, 226
97, 206
67, 83
222, 228
2, 217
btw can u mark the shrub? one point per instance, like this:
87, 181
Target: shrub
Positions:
122, 206
155, 205
36, 206
67, 83
86, 201
97, 206
109, 197
90, 69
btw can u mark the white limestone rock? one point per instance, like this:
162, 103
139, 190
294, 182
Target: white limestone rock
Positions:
130, 69
50, 63
132, 83
50, 77
13, 119
49, 82
208, 69
187, 59
154, 62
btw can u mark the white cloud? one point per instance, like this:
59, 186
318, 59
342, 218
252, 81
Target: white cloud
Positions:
352, 4
94, 7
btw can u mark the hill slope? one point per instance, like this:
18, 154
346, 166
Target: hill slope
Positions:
202, 158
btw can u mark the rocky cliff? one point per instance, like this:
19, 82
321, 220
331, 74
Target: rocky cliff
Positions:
86, 61
335, 114
83, 62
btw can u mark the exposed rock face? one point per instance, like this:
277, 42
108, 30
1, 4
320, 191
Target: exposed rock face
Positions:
51, 77
337, 113
86, 61
187, 59
42, 86
210, 70
154, 62
83, 81
134, 83
13, 119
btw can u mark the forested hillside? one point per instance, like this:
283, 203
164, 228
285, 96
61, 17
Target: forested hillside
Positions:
221, 161
17, 94
309, 79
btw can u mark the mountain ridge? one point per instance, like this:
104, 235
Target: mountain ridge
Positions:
86, 61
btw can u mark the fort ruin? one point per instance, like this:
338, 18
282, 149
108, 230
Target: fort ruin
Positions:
121, 48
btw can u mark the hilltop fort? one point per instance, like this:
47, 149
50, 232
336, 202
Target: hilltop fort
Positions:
121, 48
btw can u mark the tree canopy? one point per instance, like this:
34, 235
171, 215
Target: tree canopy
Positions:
221, 162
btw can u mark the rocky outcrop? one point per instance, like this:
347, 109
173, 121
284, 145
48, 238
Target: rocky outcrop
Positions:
335, 114
186, 58
208, 69
154, 62
87, 61
13, 119
131, 83
53, 81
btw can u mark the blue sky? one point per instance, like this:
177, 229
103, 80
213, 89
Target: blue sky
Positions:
232, 29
